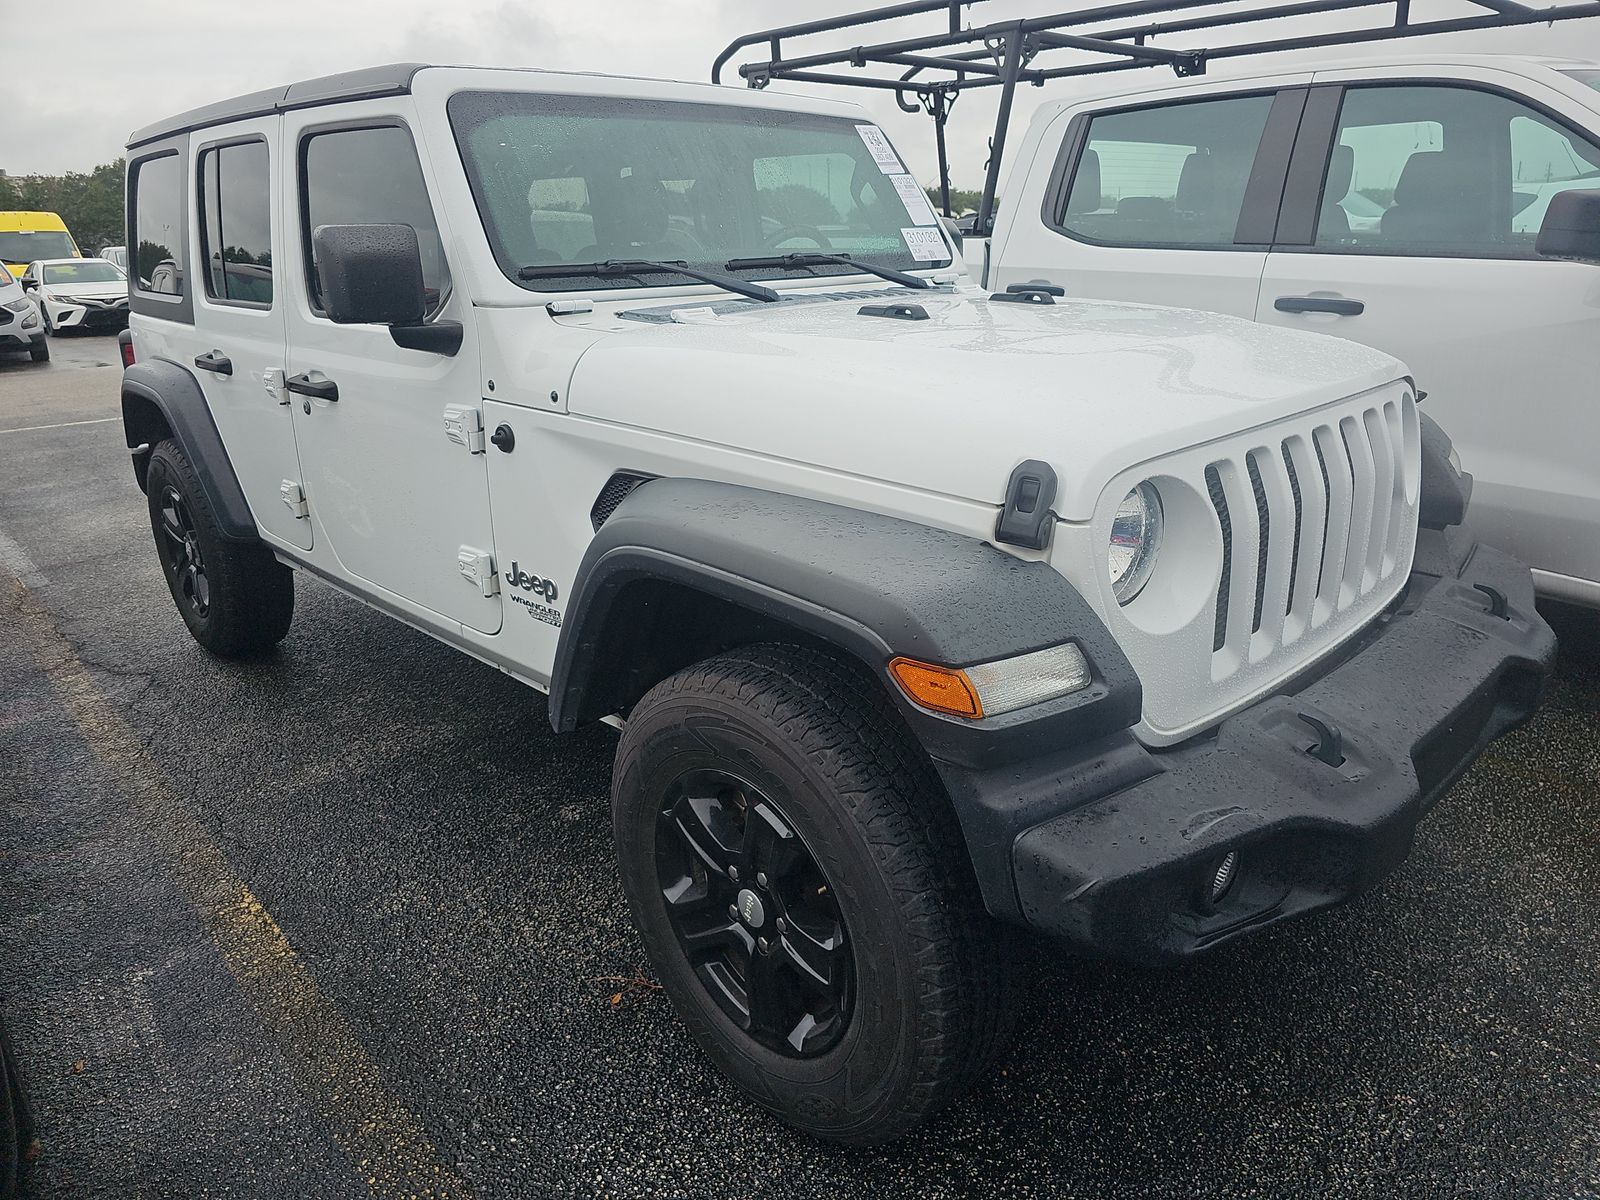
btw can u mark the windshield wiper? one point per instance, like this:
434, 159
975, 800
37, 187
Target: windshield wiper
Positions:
811, 258
646, 266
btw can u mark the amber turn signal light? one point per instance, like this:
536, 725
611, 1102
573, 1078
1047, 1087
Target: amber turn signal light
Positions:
938, 688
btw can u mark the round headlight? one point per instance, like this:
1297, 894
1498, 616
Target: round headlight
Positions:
1135, 537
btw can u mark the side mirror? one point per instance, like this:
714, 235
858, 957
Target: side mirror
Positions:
953, 229
1571, 228
29, 285
372, 275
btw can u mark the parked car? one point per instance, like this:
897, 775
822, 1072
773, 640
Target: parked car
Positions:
16, 1124
117, 255
21, 330
26, 236
1407, 217
909, 600
79, 293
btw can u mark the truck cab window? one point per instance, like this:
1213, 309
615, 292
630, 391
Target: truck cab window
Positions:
1446, 171
1169, 176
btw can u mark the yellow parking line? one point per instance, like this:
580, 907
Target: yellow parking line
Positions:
343, 1084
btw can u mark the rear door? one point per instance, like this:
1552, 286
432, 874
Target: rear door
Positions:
397, 499
1172, 202
1409, 223
235, 347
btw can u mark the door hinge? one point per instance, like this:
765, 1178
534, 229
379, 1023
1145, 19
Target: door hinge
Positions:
294, 498
272, 382
463, 425
477, 567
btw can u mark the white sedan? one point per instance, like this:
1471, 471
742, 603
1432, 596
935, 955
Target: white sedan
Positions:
78, 293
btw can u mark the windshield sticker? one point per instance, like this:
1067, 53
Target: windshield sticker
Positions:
925, 244
915, 200
882, 153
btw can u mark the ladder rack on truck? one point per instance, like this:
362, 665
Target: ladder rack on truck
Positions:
940, 66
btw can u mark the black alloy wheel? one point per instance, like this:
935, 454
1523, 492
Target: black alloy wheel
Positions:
754, 913
181, 555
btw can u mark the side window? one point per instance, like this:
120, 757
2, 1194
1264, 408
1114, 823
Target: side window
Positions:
1442, 170
157, 233
236, 223
1169, 176
369, 176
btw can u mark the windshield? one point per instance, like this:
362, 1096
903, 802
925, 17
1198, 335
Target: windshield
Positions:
19, 246
87, 271
583, 179
1587, 78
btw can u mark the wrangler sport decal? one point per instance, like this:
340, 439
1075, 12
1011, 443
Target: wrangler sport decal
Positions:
544, 588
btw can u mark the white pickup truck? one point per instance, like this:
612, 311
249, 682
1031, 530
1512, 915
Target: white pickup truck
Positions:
1441, 208
926, 613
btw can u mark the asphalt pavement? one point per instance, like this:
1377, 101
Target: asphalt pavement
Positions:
346, 922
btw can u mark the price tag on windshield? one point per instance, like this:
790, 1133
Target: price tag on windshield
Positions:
925, 244
878, 146
915, 200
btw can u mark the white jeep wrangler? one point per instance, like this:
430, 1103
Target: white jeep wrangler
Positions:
923, 612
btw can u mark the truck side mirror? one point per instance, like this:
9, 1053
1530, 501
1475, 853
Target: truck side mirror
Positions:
369, 274
372, 275
954, 230
1571, 228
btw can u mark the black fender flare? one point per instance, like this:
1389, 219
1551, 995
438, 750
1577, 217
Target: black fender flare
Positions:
1445, 491
872, 586
178, 397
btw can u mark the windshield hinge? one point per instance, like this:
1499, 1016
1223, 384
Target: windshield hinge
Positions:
463, 425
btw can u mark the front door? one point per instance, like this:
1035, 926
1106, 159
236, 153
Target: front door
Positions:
1422, 245
397, 499
236, 344
1161, 203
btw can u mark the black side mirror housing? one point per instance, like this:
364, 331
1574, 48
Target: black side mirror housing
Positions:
29, 285
1571, 228
370, 274
953, 229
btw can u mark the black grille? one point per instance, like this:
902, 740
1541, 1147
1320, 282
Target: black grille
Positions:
1294, 555
1261, 545
1219, 501
614, 493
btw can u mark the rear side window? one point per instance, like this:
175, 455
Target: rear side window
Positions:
157, 225
236, 223
1172, 176
369, 176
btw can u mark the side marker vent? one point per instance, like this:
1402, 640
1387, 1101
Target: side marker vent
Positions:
614, 493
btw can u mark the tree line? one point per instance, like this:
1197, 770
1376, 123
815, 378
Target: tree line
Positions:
89, 202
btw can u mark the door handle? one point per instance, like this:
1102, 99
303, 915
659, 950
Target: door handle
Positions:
216, 362
1320, 304
304, 385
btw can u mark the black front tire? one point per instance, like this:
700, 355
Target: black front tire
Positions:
235, 597
39, 349
931, 994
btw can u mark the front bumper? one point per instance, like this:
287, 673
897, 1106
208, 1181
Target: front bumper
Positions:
89, 314
1412, 701
19, 330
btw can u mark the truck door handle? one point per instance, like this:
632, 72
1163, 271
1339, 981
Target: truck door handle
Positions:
1320, 304
216, 362
304, 385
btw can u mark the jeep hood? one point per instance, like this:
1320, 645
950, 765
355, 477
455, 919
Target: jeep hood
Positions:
952, 403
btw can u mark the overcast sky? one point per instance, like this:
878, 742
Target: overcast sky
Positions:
70, 102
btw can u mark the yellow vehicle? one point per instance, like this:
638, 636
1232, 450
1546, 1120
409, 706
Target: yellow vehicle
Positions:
26, 237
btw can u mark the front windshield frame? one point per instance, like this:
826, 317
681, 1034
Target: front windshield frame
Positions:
874, 213
31, 246
100, 271
1588, 76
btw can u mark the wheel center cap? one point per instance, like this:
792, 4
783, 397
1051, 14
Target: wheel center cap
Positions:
751, 910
